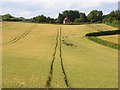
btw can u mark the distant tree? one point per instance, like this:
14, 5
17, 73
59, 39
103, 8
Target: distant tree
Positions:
0, 18
83, 18
34, 19
104, 16
77, 20
115, 15
113, 18
50, 20
41, 18
8, 17
99, 15
72, 15
95, 16
22, 18
60, 18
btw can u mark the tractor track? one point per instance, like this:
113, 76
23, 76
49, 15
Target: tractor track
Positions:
50, 75
48, 82
20, 36
62, 65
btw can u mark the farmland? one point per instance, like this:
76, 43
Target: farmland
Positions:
111, 38
57, 56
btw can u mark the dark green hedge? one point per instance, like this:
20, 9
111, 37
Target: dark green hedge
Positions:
102, 33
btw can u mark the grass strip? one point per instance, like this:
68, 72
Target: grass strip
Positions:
105, 43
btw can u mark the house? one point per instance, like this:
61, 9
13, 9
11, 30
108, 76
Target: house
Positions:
66, 20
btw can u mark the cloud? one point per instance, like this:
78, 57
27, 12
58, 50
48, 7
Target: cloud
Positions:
60, 1
30, 8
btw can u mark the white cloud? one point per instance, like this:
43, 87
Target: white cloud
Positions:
51, 7
60, 0
64, 3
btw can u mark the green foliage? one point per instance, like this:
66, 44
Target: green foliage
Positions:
104, 42
39, 19
95, 16
42, 19
8, 17
78, 20
50, 20
75, 17
113, 18
60, 18
71, 14
82, 18
93, 37
102, 33
0, 18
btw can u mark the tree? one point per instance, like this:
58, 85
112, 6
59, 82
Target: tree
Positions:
60, 18
8, 17
99, 15
50, 20
72, 15
34, 19
95, 16
77, 20
83, 18
40, 19
113, 18
0, 18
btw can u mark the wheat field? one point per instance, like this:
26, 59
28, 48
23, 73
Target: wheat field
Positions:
29, 49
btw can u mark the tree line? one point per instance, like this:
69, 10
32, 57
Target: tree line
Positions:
42, 19
95, 16
8, 17
112, 19
76, 16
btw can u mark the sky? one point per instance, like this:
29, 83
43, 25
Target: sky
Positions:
31, 8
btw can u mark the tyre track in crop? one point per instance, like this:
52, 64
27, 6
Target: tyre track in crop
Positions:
21, 36
50, 75
62, 65
48, 82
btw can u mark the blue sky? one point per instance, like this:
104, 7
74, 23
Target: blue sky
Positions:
30, 8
